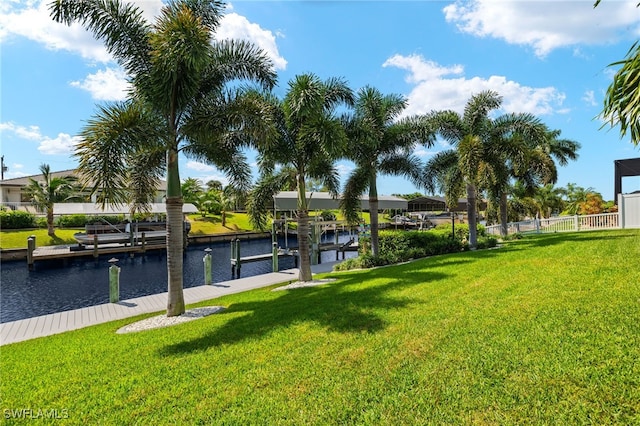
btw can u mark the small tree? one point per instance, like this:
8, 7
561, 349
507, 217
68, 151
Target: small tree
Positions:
44, 194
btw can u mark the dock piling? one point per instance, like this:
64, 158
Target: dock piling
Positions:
274, 261
114, 281
207, 266
31, 246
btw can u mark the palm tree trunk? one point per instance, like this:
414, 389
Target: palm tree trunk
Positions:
373, 215
471, 215
224, 218
175, 302
50, 230
303, 231
503, 215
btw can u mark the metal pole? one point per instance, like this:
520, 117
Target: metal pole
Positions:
232, 257
114, 281
238, 261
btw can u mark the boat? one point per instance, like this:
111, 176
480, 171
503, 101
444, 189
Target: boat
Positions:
124, 233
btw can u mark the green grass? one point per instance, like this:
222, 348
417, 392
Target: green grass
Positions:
18, 238
542, 331
212, 224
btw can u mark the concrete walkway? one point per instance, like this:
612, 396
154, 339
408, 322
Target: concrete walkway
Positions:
46, 325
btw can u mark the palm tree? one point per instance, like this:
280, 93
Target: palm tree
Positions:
463, 167
380, 144
191, 188
548, 199
575, 197
179, 103
309, 139
50, 190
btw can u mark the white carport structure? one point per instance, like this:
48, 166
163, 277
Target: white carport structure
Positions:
288, 201
93, 209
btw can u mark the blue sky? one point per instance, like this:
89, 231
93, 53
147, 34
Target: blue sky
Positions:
549, 58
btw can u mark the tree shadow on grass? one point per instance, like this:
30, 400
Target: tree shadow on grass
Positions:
344, 306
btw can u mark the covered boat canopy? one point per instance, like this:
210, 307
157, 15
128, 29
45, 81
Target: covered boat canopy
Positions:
96, 209
288, 200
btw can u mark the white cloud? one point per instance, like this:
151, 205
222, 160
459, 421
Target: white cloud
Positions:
545, 26
199, 167
344, 169
29, 133
441, 88
32, 21
422, 152
589, 98
109, 84
237, 27
61, 145
219, 177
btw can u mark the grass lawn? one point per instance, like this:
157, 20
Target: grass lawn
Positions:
212, 224
18, 238
541, 331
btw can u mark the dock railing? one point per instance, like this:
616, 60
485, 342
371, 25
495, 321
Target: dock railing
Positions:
575, 223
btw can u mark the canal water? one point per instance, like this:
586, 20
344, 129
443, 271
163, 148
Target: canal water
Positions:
54, 287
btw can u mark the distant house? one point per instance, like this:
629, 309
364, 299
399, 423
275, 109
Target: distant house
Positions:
13, 194
438, 204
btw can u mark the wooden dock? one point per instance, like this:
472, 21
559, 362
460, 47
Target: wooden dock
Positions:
79, 251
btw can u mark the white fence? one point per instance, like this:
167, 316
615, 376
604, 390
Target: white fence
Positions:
562, 224
629, 207
628, 216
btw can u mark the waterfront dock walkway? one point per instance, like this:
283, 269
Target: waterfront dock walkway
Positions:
46, 325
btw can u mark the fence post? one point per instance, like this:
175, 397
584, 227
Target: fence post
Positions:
621, 209
576, 223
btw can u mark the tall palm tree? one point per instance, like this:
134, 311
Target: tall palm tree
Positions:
179, 102
547, 198
526, 150
465, 167
50, 190
380, 144
309, 139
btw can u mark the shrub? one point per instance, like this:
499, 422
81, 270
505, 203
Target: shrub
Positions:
327, 215
461, 230
16, 219
41, 222
72, 221
401, 246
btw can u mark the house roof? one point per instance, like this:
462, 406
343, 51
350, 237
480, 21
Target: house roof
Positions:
24, 180
440, 201
95, 209
287, 200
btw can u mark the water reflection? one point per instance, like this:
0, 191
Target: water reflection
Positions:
54, 287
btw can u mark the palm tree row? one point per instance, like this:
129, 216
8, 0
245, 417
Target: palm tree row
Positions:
489, 153
185, 99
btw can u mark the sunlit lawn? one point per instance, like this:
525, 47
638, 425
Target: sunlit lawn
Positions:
541, 331
212, 224
18, 238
